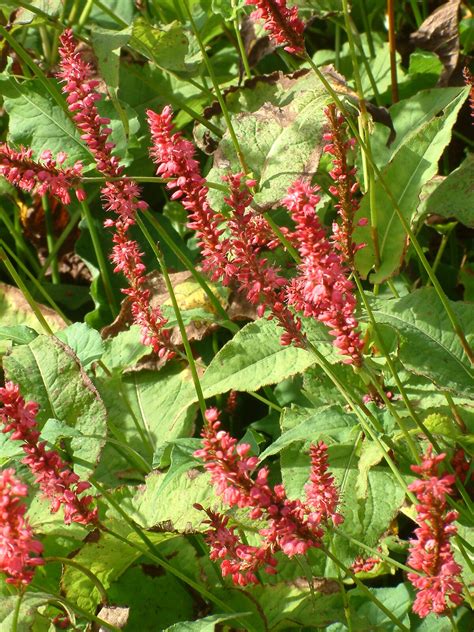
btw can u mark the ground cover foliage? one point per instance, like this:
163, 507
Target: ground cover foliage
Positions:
236, 319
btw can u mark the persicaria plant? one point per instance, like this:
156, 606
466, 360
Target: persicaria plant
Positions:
236, 339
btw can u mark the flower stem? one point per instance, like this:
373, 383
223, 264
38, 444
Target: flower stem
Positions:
101, 261
48, 220
87, 572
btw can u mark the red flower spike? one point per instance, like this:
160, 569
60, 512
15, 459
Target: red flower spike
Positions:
439, 585
56, 480
322, 289
283, 24
46, 176
121, 197
321, 491
19, 550
293, 527
345, 186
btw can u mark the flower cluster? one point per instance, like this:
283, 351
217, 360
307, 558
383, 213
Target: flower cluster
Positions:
322, 288
431, 552
292, 525
225, 258
345, 185
19, 550
46, 176
283, 23
122, 196
365, 565
56, 480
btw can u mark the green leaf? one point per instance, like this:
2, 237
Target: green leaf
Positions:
161, 404
29, 616
207, 624
107, 558
368, 616
167, 46
279, 125
86, 343
453, 196
252, 359
169, 503
49, 373
37, 121
427, 344
325, 423
124, 350
15, 312
18, 334
412, 165
107, 46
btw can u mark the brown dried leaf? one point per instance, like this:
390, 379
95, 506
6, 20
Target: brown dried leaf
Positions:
115, 615
439, 33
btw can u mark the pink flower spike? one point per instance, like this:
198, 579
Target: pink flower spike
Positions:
438, 585
322, 288
19, 551
56, 480
46, 176
283, 24
321, 491
345, 187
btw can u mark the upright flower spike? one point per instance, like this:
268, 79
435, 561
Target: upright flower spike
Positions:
59, 484
321, 491
283, 23
225, 258
121, 197
19, 551
44, 176
322, 289
293, 527
345, 186
439, 584
174, 156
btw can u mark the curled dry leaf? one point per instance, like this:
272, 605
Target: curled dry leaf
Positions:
439, 33
15, 310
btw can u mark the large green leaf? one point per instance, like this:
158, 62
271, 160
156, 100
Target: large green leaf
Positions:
49, 373
454, 196
252, 359
37, 121
427, 344
327, 423
148, 409
107, 558
29, 619
412, 165
279, 124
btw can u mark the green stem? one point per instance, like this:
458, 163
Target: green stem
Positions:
41, 290
405, 224
75, 217
367, 592
266, 401
392, 49
196, 274
217, 88
416, 12
87, 572
16, 612
177, 311
442, 247
20, 243
240, 43
48, 220
457, 417
153, 554
84, 15
32, 303
368, 30
101, 261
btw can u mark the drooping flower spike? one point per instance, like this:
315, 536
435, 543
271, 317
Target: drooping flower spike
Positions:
19, 551
293, 526
282, 22
48, 175
438, 586
59, 484
121, 197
